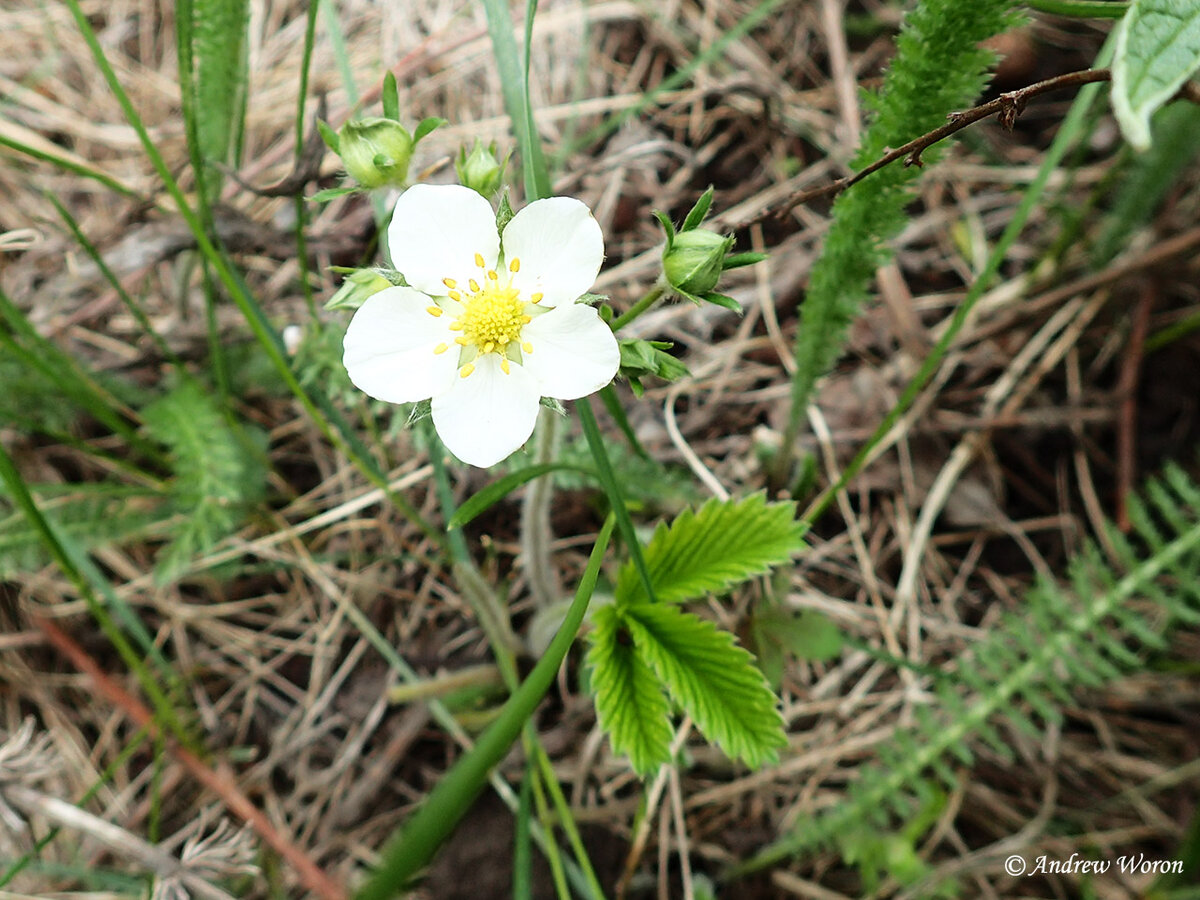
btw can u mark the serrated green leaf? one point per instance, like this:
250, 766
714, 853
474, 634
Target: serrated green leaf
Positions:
630, 703
714, 680
709, 551
1158, 49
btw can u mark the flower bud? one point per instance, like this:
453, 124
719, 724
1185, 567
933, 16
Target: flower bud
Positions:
479, 170
693, 261
358, 286
375, 152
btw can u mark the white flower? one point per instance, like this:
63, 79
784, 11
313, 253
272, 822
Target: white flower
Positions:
489, 326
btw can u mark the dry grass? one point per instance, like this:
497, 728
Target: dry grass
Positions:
1006, 461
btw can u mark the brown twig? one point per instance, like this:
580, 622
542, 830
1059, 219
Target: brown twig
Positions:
220, 780
1008, 105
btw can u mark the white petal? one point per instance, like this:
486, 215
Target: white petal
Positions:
560, 247
435, 232
389, 347
574, 352
486, 416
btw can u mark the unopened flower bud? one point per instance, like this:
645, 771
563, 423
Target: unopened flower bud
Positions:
480, 170
694, 260
375, 152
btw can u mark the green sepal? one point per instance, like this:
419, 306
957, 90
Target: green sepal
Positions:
737, 260
723, 301
391, 98
504, 212
422, 409
697, 213
667, 226
427, 126
329, 136
332, 193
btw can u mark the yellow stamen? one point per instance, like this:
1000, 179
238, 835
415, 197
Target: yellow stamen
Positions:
526, 347
455, 295
466, 370
434, 311
450, 283
492, 275
536, 298
474, 285
479, 261
504, 366
489, 346
461, 341
526, 319
440, 349
456, 326
515, 265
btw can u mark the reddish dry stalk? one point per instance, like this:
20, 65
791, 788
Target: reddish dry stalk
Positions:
1127, 386
220, 781
1009, 105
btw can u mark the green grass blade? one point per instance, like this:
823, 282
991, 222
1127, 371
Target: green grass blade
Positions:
515, 87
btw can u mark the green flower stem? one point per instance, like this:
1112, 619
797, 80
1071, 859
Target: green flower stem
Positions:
491, 613
408, 852
1082, 9
656, 292
616, 499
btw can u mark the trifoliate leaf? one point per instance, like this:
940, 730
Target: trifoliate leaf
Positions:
714, 680
630, 703
709, 551
1158, 49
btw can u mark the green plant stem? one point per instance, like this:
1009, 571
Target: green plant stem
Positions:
408, 852
638, 308
1076, 119
616, 499
300, 204
1082, 9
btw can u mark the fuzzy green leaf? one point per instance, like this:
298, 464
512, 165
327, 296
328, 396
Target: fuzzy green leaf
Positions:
714, 680
1158, 49
709, 551
630, 703
218, 472
211, 37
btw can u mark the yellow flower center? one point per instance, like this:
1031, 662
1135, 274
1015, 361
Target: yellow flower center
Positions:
492, 317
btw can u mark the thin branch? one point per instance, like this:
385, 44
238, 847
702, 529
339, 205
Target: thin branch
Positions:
220, 781
1008, 105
